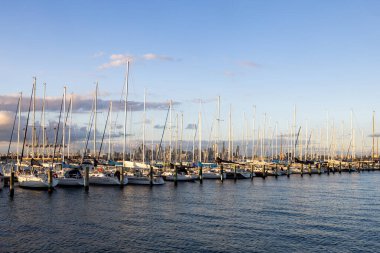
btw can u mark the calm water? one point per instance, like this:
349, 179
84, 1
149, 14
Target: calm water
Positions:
336, 213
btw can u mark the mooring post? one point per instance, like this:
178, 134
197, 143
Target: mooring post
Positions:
235, 174
309, 169
50, 180
276, 171
302, 170
221, 173
319, 168
12, 183
349, 167
122, 176
252, 172
263, 172
175, 175
151, 175
333, 168
200, 174
2, 180
328, 169
86, 178
288, 170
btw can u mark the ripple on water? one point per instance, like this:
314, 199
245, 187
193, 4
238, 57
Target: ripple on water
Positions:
336, 213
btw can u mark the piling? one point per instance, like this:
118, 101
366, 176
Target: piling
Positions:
276, 171
86, 178
151, 175
200, 175
235, 175
340, 167
2, 180
319, 168
263, 172
12, 183
333, 168
221, 173
122, 176
288, 171
328, 169
175, 175
309, 169
302, 170
50, 180
349, 167
252, 172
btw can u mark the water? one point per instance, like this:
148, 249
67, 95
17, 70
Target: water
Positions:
335, 213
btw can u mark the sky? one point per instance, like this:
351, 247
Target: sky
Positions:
320, 56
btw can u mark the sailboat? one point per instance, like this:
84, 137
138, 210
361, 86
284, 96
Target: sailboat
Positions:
33, 176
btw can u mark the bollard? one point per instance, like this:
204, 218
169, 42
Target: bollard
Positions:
122, 177
175, 176
12, 184
86, 178
151, 175
2, 180
200, 175
50, 180
263, 172
276, 171
221, 173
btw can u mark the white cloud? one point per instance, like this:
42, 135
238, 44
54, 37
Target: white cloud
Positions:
151, 56
117, 60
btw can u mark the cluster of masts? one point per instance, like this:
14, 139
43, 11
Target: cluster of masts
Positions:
264, 144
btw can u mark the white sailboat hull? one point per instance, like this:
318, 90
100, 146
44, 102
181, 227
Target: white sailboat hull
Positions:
145, 180
70, 181
31, 181
102, 179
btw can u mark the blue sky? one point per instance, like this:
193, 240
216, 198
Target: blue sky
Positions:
320, 55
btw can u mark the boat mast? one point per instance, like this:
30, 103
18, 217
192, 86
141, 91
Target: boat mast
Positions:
144, 118
110, 133
230, 136
71, 123
373, 135
276, 150
43, 125
218, 131
34, 116
19, 128
125, 113
170, 132
253, 132
200, 132
352, 136
181, 147
95, 116
64, 125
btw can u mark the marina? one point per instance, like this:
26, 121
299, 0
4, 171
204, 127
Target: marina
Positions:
189, 126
